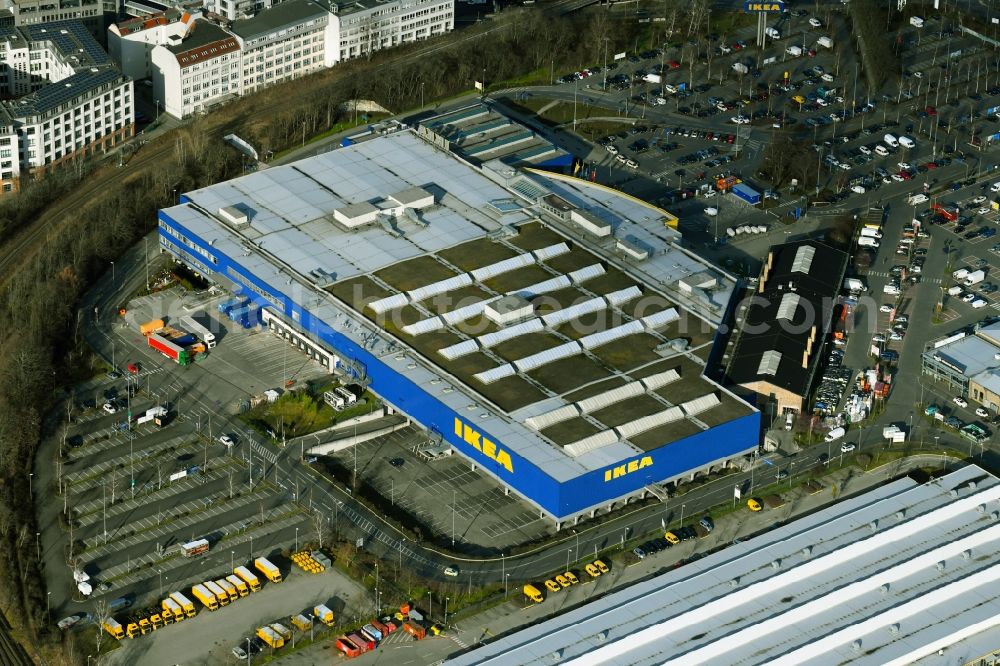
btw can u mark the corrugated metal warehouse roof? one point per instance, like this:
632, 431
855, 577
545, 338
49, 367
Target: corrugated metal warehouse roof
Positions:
902, 574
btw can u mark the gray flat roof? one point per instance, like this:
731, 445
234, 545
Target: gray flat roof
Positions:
291, 234
971, 355
281, 15
902, 574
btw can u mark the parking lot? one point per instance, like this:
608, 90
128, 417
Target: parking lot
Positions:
443, 493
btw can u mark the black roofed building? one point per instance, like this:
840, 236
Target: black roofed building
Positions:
781, 329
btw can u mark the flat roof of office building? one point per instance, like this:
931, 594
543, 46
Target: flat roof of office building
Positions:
400, 245
902, 574
282, 15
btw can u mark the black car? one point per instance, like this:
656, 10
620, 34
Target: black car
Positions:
396, 462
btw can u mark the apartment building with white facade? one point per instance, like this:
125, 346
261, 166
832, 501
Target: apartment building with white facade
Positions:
364, 26
282, 43
131, 42
194, 73
68, 102
35, 12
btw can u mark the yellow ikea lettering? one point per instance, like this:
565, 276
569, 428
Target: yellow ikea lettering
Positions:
628, 468
764, 7
484, 445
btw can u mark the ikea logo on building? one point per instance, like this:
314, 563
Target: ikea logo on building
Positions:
485, 446
764, 6
628, 468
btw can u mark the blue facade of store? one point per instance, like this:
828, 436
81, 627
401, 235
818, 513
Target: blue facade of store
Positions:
559, 499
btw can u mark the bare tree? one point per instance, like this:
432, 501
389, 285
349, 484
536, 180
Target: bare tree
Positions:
319, 526
102, 613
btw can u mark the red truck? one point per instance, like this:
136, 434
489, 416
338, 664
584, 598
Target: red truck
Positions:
345, 645
169, 349
414, 630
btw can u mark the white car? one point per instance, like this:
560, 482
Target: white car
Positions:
886, 307
896, 177
708, 194
611, 148
451, 571
72, 620
995, 187
740, 120
226, 441
983, 210
960, 401
978, 200
968, 298
865, 149
895, 336
815, 22
846, 447
711, 211
110, 408
821, 102
978, 303
905, 166
858, 189
982, 413
631, 164
878, 337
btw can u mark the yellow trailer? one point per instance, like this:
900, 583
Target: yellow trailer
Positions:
220, 595
270, 636
266, 567
205, 596
282, 630
241, 585
323, 614
229, 588
185, 603
301, 622
249, 577
173, 610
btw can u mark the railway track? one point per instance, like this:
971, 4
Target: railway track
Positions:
11, 653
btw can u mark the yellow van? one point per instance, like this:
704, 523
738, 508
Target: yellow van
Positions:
552, 586
533, 593
799, 99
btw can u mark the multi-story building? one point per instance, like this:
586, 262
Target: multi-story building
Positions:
361, 27
197, 72
34, 12
64, 99
282, 43
131, 42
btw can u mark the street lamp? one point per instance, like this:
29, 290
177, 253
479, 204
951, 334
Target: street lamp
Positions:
38, 550
30, 477
506, 578
232, 560
430, 604
296, 539
446, 611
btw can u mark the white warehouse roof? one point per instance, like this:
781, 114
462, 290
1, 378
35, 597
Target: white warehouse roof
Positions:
904, 573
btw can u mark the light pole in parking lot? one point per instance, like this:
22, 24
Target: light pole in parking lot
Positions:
446, 611
297, 540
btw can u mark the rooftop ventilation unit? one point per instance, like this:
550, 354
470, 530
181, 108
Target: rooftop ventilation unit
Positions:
234, 216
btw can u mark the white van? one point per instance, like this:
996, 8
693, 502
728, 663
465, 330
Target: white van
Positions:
890, 140
907, 142
794, 51
773, 33
918, 198
995, 187
867, 241
881, 150
871, 233
955, 291
835, 434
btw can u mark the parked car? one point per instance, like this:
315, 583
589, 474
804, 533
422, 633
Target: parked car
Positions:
960, 401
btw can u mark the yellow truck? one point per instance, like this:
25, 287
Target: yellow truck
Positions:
184, 603
248, 577
270, 636
301, 622
229, 588
114, 627
266, 567
132, 630
533, 593
220, 594
241, 585
324, 615
205, 596
156, 620
172, 609
145, 626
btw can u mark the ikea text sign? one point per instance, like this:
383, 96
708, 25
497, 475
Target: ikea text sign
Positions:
751, 6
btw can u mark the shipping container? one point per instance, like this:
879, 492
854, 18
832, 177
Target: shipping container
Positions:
747, 194
414, 630
323, 614
151, 326
349, 649
248, 577
362, 642
301, 622
282, 630
270, 636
